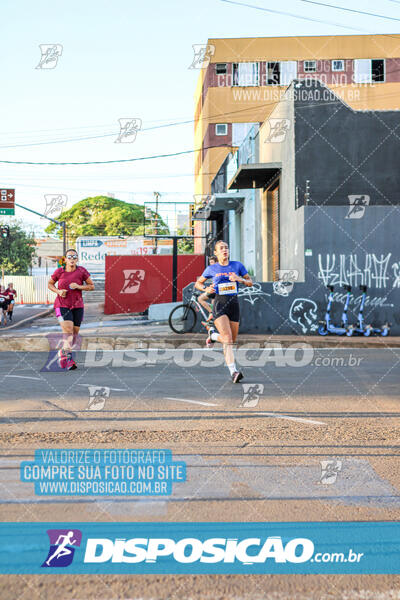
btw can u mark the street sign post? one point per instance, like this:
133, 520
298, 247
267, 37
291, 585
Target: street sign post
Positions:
7, 202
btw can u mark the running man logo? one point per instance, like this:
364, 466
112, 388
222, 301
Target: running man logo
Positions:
202, 55
357, 206
278, 129
97, 397
133, 279
251, 394
128, 130
61, 551
329, 471
55, 203
50, 54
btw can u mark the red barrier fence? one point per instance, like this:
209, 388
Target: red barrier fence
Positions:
134, 282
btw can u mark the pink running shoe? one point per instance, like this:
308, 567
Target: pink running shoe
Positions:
71, 364
62, 358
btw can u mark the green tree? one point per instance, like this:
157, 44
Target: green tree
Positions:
16, 251
102, 215
185, 245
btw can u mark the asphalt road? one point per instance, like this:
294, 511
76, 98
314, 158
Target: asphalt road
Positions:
253, 453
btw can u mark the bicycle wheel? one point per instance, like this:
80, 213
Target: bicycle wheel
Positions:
182, 319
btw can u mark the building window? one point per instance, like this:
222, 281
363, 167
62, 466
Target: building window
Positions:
310, 66
338, 65
368, 70
246, 74
221, 129
378, 70
220, 68
273, 73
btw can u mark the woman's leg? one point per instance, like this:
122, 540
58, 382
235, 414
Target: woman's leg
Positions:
68, 334
202, 299
234, 330
225, 337
75, 335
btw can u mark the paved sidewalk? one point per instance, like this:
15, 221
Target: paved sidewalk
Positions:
117, 332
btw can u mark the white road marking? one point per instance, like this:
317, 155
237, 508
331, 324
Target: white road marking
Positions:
23, 377
277, 416
191, 401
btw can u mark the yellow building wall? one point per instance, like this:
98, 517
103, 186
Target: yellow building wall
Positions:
307, 47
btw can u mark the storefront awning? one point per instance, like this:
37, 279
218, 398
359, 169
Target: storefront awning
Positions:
256, 175
217, 203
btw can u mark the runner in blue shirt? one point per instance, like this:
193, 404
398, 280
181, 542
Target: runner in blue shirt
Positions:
226, 275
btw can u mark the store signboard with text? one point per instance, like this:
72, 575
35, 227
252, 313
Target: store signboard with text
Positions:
92, 250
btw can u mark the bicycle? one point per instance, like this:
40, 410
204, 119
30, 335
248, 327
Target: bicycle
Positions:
183, 318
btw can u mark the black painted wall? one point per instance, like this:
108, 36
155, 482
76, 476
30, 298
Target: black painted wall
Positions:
344, 152
338, 250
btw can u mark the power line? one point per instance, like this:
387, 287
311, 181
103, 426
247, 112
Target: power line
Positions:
105, 162
296, 16
352, 10
173, 124
226, 114
205, 118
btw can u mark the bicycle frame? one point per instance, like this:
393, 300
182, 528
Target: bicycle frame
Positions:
197, 306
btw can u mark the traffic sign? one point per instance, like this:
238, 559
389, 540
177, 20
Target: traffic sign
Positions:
7, 202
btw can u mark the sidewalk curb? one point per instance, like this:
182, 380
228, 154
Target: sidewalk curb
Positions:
118, 342
45, 313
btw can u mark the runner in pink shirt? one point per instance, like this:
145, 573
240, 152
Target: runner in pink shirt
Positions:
12, 294
68, 305
4, 302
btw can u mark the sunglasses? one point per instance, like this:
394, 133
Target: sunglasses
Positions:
74, 256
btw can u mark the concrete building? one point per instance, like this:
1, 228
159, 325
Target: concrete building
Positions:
246, 78
313, 192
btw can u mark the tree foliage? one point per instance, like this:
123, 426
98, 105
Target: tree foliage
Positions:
16, 251
102, 215
185, 245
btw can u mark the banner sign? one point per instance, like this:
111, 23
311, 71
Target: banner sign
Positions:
206, 548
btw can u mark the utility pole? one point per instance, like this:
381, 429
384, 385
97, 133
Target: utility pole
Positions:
157, 196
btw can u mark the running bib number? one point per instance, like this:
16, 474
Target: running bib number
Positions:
227, 288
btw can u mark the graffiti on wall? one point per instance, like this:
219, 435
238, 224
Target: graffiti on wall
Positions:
286, 280
352, 269
303, 312
396, 272
355, 300
252, 294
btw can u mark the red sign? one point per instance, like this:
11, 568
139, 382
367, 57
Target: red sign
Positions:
134, 282
7, 198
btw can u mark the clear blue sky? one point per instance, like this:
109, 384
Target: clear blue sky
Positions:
126, 59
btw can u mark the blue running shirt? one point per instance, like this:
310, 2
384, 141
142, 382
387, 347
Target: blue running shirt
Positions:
220, 276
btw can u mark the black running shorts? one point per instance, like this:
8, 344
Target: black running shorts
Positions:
70, 314
226, 305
